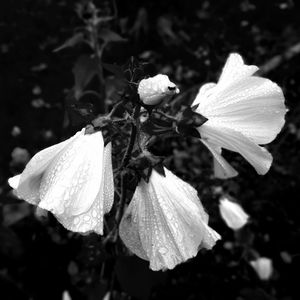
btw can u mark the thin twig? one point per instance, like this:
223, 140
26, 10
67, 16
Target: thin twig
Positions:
277, 60
132, 138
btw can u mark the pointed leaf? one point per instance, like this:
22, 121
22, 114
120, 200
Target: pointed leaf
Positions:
110, 36
84, 70
71, 42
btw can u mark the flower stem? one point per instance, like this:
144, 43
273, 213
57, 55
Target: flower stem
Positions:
125, 161
115, 108
132, 138
126, 158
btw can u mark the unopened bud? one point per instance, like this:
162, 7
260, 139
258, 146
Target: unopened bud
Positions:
263, 267
154, 89
232, 213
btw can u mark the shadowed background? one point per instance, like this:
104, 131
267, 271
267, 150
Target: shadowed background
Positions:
189, 41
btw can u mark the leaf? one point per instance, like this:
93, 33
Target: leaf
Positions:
14, 213
114, 69
84, 70
108, 36
71, 42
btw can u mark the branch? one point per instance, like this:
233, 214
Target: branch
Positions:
277, 60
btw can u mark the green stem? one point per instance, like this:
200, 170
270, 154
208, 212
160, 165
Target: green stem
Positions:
169, 117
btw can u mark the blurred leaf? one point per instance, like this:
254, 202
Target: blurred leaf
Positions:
256, 293
108, 36
13, 213
84, 70
71, 42
11, 245
141, 24
114, 69
97, 291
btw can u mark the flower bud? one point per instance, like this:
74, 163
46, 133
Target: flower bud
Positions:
154, 89
263, 267
233, 214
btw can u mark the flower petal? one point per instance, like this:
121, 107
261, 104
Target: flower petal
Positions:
172, 223
203, 95
254, 106
263, 267
30, 180
235, 70
108, 180
222, 169
233, 214
129, 231
14, 181
92, 218
245, 103
232, 140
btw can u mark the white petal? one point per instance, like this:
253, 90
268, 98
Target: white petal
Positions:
263, 267
233, 140
66, 296
14, 181
171, 221
222, 169
235, 70
233, 73
129, 230
71, 185
233, 214
253, 106
203, 96
30, 180
92, 218
108, 180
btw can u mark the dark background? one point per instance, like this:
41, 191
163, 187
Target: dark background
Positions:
189, 40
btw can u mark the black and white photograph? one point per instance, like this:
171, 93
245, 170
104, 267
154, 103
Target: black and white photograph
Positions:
150, 150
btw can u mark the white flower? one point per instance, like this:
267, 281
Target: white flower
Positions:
66, 296
233, 214
243, 112
14, 181
165, 222
73, 180
154, 89
263, 266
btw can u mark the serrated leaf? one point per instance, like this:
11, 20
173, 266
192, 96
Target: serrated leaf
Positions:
71, 42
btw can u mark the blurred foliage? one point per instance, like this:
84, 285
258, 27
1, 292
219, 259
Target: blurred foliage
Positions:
189, 41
